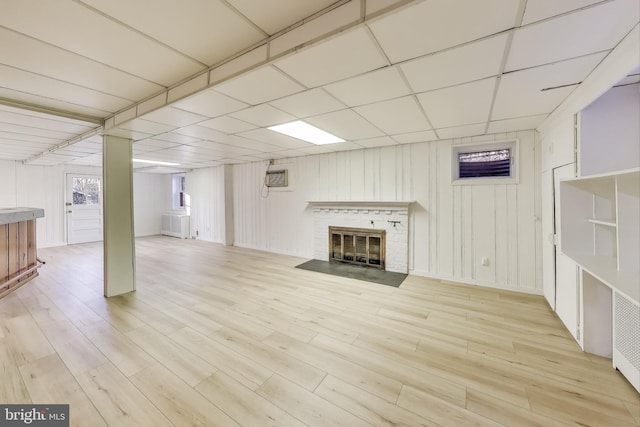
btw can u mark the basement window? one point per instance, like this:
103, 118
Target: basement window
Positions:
485, 163
178, 191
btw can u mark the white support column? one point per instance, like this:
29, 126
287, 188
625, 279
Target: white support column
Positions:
119, 240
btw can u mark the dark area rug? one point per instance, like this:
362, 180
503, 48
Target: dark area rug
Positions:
354, 272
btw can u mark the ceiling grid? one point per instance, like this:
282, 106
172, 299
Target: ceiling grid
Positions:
199, 82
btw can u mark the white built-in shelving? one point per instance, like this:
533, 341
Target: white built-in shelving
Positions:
600, 225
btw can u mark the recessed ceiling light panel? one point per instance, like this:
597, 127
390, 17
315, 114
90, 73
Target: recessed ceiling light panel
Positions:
155, 162
306, 132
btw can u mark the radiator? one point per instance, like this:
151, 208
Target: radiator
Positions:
175, 225
626, 339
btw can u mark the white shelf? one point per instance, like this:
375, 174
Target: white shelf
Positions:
606, 270
600, 226
605, 222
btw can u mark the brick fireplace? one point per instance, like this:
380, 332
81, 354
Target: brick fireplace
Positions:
367, 221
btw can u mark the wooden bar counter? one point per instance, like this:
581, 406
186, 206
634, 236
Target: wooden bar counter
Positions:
18, 252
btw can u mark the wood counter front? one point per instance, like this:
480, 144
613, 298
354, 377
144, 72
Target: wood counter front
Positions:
18, 252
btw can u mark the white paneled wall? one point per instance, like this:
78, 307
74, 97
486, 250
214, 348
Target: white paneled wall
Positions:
206, 188
44, 187
452, 227
151, 197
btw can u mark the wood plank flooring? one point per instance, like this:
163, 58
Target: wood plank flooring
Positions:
219, 336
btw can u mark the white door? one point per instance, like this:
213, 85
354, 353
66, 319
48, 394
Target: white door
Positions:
83, 208
566, 277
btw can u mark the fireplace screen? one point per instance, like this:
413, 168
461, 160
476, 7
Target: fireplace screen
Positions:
360, 246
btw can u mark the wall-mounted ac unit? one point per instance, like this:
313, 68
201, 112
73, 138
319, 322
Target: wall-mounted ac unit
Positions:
276, 178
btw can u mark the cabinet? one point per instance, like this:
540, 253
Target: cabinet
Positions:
18, 256
600, 223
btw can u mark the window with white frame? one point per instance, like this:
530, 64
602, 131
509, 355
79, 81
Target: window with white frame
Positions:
485, 163
178, 191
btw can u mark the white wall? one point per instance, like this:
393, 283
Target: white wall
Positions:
452, 227
152, 195
610, 133
44, 187
206, 189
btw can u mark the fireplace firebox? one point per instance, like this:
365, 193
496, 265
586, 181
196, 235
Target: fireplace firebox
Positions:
360, 246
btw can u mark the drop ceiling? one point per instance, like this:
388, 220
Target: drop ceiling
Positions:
198, 82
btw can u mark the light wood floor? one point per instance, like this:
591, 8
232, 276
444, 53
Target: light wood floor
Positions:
229, 336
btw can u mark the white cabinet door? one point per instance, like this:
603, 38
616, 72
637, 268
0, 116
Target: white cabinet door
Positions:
566, 277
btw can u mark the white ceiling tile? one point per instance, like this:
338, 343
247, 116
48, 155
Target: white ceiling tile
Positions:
142, 149
464, 104
200, 132
39, 122
316, 149
202, 23
413, 137
283, 154
28, 139
461, 131
537, 10
572, 35
374, 6
430, 26
126, 133
48, 88
258, 86
174, 117
263, 115
177, 137
344, 146
520, 93
210, 103
382, 141
309, 103
48, 60
333, 59
52, 104
18, 130
375, 86
227, 149
274, 138
277, 15
78, 149
154, 143
473, 61
79, 29
512, 125
256, 146
396, 115
145, 126
227, 124
345, 124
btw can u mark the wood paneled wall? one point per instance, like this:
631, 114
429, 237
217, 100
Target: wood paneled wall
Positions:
452, 226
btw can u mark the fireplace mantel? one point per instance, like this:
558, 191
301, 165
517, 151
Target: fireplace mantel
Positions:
359, 204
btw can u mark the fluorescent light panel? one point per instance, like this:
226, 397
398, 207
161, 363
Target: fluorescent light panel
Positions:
306, 132
155, 162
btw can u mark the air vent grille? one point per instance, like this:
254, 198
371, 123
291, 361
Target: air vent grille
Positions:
276, 178
627, 327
